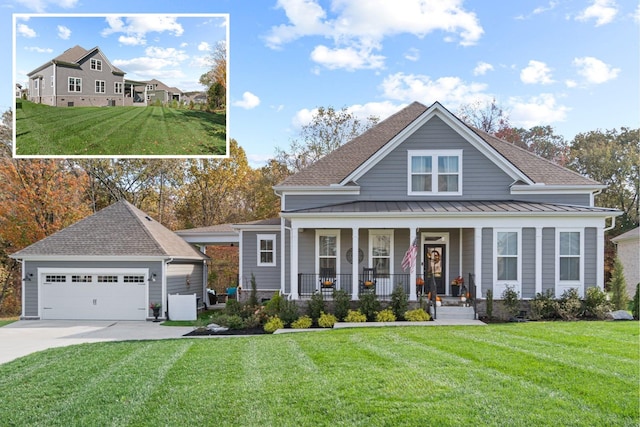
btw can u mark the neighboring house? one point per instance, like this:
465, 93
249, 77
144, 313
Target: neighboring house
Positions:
77, 77
111, 265
158, 91
628, 247
475, 206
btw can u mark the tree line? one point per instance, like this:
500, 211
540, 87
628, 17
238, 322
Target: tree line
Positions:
41, 196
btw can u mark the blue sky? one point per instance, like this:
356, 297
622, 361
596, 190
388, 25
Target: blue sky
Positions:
571, 64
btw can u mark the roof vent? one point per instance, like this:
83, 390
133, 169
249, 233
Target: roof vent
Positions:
148, 218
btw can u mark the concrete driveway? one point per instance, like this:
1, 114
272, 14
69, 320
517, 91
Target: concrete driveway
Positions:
29, 336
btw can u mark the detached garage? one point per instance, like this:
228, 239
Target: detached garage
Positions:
109, 266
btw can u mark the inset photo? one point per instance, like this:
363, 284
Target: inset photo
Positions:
132, 85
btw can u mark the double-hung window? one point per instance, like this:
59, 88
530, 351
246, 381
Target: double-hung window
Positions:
96, 64
100, 86
435, 172
569, 255
75, 84
507, 249
118, 87
380, 247
328, 242
266, 249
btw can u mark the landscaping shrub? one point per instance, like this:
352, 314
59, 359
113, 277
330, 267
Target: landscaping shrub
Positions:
635, 304
369, 305
569, 305
542, 306
288, 311
231, 321
272, 307
273, 324
303, 322
618, 287
232, 307
315, 306
511, 301
327, 320
253, 295
399, 302
385, 316
341, 302
417, 315
355, 316
596, 304
489, 304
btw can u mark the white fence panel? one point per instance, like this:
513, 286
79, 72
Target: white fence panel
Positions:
182, 307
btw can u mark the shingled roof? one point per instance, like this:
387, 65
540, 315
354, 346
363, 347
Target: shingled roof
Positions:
337, 165
72, 57
120, 230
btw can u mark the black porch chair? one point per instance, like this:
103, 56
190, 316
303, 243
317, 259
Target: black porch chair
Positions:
368, 280
327, 280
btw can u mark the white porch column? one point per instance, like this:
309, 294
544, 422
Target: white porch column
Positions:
599, 258
294, 262
283, 257
477, 259
355, 245
412, 273
538, 260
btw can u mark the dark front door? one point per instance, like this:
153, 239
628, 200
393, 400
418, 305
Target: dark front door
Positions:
435, 266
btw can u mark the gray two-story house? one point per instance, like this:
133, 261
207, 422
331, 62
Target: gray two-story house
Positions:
78, 77
422, 197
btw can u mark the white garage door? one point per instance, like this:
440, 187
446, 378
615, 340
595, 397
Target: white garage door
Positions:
104, 295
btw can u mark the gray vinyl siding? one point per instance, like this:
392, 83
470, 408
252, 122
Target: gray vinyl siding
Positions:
549, 259
31, 267
314, 201
468, 253
590, 258
267, 277
184, 279
528, 263
487, 261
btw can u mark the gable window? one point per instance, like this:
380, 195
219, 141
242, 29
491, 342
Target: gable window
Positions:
149, 87
507, 256
118, 87
435, 172
100, 86
75, 84
328, 242
569, 255
96, 64
266, 249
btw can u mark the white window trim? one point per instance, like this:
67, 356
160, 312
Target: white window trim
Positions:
372, 234
115, 88
563, 285
260, 237
327, 232
434, 154
74, 84
104, 86
95, 64
500, 285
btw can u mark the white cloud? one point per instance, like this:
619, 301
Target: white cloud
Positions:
381, 110
358, 28
25, 31
412, 54
200, 62
450, 91
636, 14
347, 58
135, 28
594, 70
482, 68
169, 53
39, 49
248, 101
204, 47
63, 32
603, 11
536, 73
184, 44
41, 5
570, 83
537, 111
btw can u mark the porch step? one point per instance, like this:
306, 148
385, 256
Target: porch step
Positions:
447, 312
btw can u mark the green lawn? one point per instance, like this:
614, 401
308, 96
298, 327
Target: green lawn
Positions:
532, 374
143, 131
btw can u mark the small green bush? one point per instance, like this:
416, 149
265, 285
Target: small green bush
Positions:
315, 306
327, 320
272, 307
399, 302
596, 304
369, 305
341, 302
489, 304
273, 324
303, 322
355, 316
617, 285
385, 316
511, 301
231, 321
253, 295
542, 306
232, 307
569, 305
635, 304
417, 315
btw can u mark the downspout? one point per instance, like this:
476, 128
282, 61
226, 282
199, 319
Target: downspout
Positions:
283, 272
164, 296
55, 85
613, 223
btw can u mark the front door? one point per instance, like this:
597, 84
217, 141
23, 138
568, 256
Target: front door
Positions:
435, 266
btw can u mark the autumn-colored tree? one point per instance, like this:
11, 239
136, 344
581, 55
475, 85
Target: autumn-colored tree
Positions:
6, 134
490, 117
37, 198
218, 71
262, 201
540, 140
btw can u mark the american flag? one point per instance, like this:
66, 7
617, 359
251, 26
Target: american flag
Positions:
409, 260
